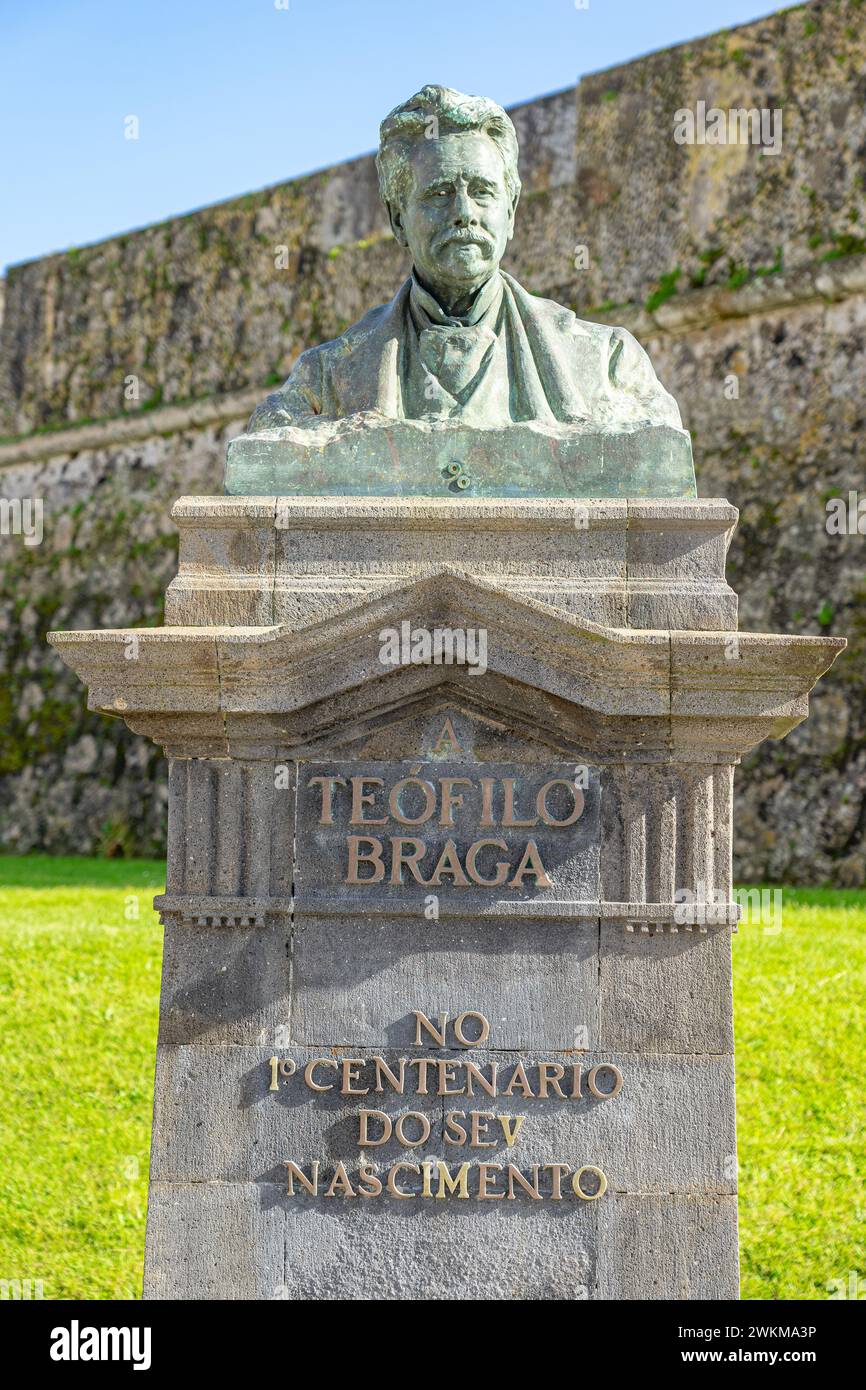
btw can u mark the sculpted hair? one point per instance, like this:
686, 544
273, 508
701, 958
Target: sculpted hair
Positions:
438, 111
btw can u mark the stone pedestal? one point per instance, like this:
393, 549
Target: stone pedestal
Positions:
478, 910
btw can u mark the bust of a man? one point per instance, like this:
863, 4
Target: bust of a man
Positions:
461, 339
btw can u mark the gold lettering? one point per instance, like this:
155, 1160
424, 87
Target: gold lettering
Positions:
461, 1036
556, 1171
356, 858
511, 1127
502, 865
578, 1190
429, 801
396, 1082
284, 1068
592, 1075
422, 1063
402, 856
519, 1078
310, 1184
458, 1184
446, 1074
364, 1118
531, 864
473, 1073
449, 863
351, 1069
541, 802
360, 799
328, 785
454, 1132
308, 1072
485, 1176
508, 817
394, 1190
399, 1132
550, 1073
367, 1174
532, 1189
448, 800
479, 1121
437, 1034
487, 785
341, 1177
447, 741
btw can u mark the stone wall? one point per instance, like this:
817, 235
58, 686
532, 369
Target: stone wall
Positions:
743, 274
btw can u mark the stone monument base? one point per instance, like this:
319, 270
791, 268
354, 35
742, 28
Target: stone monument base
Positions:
446, 1004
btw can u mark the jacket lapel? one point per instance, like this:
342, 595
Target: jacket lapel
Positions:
549, 346
366, 376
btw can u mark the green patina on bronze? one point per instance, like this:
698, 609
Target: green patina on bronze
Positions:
514, 392
408, 458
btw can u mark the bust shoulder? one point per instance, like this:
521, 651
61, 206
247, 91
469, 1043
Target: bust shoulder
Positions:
557, 318
373, 322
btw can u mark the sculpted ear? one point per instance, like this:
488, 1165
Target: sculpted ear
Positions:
395, 217
515, 200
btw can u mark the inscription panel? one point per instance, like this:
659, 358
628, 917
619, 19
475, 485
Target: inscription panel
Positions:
454, 836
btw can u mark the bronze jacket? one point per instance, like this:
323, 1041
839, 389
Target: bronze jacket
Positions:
558, 367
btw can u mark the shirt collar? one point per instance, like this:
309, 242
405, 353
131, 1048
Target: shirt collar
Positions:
428, 307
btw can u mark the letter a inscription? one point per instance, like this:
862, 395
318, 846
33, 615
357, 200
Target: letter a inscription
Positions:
447, 742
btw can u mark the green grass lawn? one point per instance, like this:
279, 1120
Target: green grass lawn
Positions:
79, 996
801, 1116
79, 990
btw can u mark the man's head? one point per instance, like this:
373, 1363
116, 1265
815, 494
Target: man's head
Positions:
448, 177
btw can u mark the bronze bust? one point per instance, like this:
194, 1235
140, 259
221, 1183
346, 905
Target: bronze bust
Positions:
461, 340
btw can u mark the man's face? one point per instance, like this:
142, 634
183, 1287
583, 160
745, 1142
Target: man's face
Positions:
457, 217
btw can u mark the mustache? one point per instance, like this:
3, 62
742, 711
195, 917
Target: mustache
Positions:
466, 236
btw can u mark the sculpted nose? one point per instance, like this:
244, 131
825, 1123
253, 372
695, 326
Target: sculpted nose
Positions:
464, 209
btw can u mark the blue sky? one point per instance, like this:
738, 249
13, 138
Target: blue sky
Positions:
232, 95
